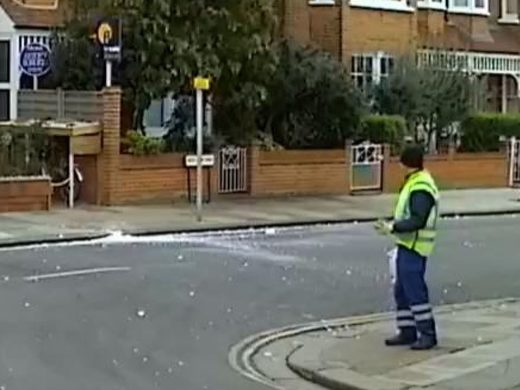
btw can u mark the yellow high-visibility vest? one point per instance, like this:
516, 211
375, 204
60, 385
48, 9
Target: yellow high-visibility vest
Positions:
421, 241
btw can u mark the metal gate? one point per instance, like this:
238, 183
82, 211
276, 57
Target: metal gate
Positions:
514, 162
366, 167
232, 172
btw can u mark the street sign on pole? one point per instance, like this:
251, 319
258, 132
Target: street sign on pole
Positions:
200, 84
108, 35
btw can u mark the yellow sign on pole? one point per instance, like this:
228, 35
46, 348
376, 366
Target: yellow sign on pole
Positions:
104, 33
201, 83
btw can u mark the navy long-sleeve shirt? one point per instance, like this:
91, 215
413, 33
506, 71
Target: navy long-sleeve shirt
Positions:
421, 204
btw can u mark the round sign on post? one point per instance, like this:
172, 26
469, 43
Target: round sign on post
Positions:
35, 60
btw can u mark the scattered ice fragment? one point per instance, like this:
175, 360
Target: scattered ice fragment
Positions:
2, 387
468, 244
210, 323
44, 261
170, 370
230, 279
229, 310
60, 235
445, 291
27, 304
268, 354
136, 350
192, 293
284, 278
480, 339
180, 363
270, 231
349, 272
58, 268
6, 278
180, 257
115, 362
157, 373
459, 284
355, 222
145, 359
245, 265
141, 313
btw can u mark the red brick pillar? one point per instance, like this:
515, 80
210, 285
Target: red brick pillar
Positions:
253, 169
109, 174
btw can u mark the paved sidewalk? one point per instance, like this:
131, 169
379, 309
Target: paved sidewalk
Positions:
479, 350
90, 222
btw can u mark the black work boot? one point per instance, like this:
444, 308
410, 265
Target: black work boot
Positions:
424, 343
405, 337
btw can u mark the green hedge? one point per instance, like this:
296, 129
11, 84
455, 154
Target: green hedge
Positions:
384, 129
482, 132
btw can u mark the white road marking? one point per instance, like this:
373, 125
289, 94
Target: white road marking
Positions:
90, 271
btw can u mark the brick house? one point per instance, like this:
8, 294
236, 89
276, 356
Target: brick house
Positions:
367, 35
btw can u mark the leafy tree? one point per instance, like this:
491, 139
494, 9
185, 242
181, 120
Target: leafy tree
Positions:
431, 98
311, 102
168, 42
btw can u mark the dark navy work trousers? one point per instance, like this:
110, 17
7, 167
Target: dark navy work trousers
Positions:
414, 312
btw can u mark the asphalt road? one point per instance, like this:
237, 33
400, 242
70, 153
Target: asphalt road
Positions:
168, 320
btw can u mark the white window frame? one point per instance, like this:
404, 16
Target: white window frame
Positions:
470, 9
322, 2
505, 17
432, 4
390, 5
377, 70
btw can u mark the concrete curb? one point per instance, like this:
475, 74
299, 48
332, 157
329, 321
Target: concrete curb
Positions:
306, 222
241, 355
226, 229
82, 238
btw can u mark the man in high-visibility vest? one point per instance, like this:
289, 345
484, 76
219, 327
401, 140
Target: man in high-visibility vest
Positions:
414, 228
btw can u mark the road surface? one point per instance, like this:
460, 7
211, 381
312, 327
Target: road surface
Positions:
163, 314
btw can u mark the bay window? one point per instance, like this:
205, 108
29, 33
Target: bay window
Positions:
469, 6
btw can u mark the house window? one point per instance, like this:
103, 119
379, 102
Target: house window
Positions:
433, 4
470, 6
509, 11
5, 62
157, 116
369, 69
393, 5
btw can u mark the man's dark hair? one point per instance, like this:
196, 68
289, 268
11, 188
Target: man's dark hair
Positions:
413, 157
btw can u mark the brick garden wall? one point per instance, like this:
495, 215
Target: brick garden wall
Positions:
299, 172
155, 178
456, 171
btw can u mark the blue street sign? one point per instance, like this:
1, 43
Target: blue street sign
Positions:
35, 59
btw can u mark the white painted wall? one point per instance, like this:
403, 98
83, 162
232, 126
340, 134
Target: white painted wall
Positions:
6, 24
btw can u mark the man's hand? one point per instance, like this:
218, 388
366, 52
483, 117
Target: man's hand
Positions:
383, 227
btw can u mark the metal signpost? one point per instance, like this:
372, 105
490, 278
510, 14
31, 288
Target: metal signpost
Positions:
200, 84
35, 61
108, 35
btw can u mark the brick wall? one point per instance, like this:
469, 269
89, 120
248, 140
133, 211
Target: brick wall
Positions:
396, 32
459, 171
157, 178
325, 28
300, 172
25, 194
